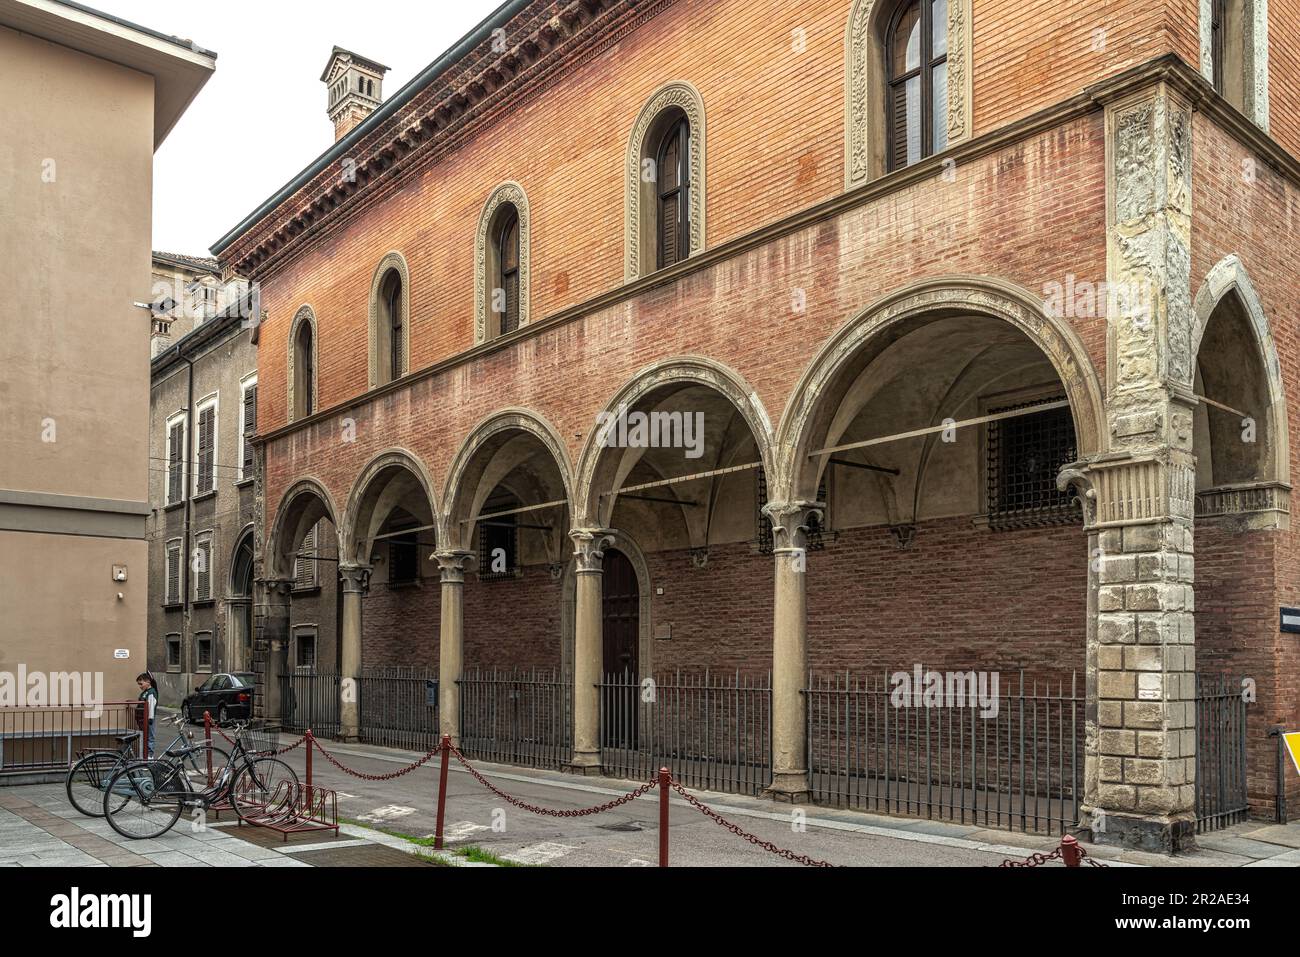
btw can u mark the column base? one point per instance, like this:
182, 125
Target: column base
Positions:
585, 763
789, 787
1155, 834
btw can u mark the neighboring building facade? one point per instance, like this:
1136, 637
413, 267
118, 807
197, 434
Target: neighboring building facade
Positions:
970, 323
203, 418
91, 98
195, 288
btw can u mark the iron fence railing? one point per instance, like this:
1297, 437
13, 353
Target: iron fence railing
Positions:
398, 707
1011, 759
713, 731
1221, 795
516, 716
49, 739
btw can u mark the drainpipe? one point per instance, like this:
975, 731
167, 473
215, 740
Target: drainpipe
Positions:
187, 490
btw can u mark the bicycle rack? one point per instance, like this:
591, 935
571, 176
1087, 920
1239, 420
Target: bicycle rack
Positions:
298, 809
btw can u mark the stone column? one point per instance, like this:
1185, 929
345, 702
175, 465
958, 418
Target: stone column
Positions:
588, 647
271, 636
1142, 685
355, 581
451, 641
790, 650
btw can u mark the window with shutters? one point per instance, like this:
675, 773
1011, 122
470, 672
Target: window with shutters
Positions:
505, 282
202, 567
304, 566
302, 365
502, 258
916, 54
247, 429
176, 459
390, 315
664, 220
173, 593
205, 474
672, 208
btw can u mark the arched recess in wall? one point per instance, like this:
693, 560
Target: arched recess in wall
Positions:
393, 481
734, 432
301, 380
867, 86
304, 505
1234, 53
988, 329
671, 105
1241, 431
508, 205
390, 320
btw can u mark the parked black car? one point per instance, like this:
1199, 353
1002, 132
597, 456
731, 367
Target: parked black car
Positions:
228, 697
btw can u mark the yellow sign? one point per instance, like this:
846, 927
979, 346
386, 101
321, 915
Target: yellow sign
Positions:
1293, 745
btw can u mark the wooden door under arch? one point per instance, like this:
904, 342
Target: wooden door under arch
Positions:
622, 632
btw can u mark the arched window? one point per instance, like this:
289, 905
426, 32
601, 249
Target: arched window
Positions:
909, 90
665, 181
673, 188
301, 380
916, 51
501, 264
390, 320
506, 288
391, 297
305, 387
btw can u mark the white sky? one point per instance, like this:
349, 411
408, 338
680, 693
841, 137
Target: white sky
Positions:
261, 118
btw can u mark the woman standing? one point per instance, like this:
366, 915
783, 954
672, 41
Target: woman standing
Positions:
149, 695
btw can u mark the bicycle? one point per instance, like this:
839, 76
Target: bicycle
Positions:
144, 799
88, 778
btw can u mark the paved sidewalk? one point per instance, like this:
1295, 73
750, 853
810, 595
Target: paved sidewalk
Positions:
39, 828
628, 836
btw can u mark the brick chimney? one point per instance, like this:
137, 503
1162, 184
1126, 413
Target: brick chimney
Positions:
356, 88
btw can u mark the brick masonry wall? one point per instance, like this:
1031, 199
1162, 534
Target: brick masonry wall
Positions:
513, 623
1254, 572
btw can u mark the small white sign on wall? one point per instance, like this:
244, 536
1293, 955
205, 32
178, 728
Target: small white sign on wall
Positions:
121, 654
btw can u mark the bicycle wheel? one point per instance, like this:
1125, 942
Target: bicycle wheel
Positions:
265, 785
88, 778
196, 767
144, 799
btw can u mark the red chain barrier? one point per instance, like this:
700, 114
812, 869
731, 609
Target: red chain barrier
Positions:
208, 726
768, 846
546, 811
373, 777
1071, 853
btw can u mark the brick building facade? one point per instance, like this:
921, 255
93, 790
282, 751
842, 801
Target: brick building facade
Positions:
970, 316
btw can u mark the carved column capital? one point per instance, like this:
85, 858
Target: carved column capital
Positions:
791, 522
355, 578
453, 566
275, 589
589, 549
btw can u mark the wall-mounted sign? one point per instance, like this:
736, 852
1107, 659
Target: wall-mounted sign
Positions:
431, 694
122, 654
1291, 620
1293, 746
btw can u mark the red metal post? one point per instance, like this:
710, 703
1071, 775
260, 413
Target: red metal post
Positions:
207, 736
311, 746
442, 790
1070, 851
665, 784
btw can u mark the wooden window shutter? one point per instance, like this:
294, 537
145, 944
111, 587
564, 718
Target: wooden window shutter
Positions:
203, 575
175, 462
173, 573
305, 569
250, 430
207, 424
898, 127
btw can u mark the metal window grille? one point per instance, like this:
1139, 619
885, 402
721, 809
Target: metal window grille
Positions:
203, 646
1025, 454
498, 554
